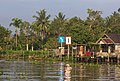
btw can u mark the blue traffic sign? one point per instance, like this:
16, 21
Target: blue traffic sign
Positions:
61, 39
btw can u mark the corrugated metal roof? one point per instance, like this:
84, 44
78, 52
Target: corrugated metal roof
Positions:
114, 37
107, 41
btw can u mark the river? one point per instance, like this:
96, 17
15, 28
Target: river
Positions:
57, 71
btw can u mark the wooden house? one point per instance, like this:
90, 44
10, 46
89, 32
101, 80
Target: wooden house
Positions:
109, 43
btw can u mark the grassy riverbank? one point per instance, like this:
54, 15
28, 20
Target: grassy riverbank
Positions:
43, 55
25, 55
34, 56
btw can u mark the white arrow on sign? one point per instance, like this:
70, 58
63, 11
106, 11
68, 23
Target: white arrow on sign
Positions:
61, 39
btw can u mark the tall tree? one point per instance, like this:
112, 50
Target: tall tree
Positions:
93, 18
4, 37
57, 28
58, 25
34, 35
113, 22
95, 24
25, 27
42, 22
77, 29
16, 23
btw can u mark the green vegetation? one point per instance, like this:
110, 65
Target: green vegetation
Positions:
43, 33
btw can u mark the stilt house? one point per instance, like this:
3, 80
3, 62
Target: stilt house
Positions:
109, 43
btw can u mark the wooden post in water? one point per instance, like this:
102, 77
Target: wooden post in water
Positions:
109, 51
97, 60
108, 57
76, 53
118, 58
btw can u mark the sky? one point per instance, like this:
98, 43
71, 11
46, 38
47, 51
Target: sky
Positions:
25, 9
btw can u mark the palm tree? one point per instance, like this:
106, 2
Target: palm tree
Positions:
33, 34
16, 23
42, 22
25, 27
57, 26
93, 17
60, 17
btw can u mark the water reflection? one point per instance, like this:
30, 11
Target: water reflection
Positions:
57, 71
61, 71
109, 72
64, 72
68, 70
82, 72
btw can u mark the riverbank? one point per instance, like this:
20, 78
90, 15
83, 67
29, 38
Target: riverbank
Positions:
50, 56
21, 54
34, 56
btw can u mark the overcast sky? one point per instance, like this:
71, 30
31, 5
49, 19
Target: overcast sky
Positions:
25, 9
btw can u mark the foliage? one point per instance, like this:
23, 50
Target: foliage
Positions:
113, 23
42, 23
50, 44
43, 32
16, 22
5, 38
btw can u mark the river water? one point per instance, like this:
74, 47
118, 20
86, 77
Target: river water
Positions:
57, 71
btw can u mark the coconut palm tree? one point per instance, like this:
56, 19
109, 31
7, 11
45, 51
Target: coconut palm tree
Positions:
16, 23
33, 35
60, 17
42, 22
25, 27
57, 26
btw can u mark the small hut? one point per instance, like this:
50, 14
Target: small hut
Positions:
80, 49
109, 43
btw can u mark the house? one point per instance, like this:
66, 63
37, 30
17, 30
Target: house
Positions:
109, 43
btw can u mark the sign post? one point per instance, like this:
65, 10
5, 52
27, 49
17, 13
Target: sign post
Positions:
68, 42
61, 39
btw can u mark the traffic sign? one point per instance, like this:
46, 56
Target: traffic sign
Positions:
61, 39
68, 40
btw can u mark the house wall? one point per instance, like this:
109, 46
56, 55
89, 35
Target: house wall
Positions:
81, 49
117, 48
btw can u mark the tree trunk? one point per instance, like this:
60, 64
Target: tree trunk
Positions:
32, 47
27, 47
16, 38
27, 42
32, 44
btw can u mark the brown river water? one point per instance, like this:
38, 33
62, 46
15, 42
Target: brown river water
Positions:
57, 71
